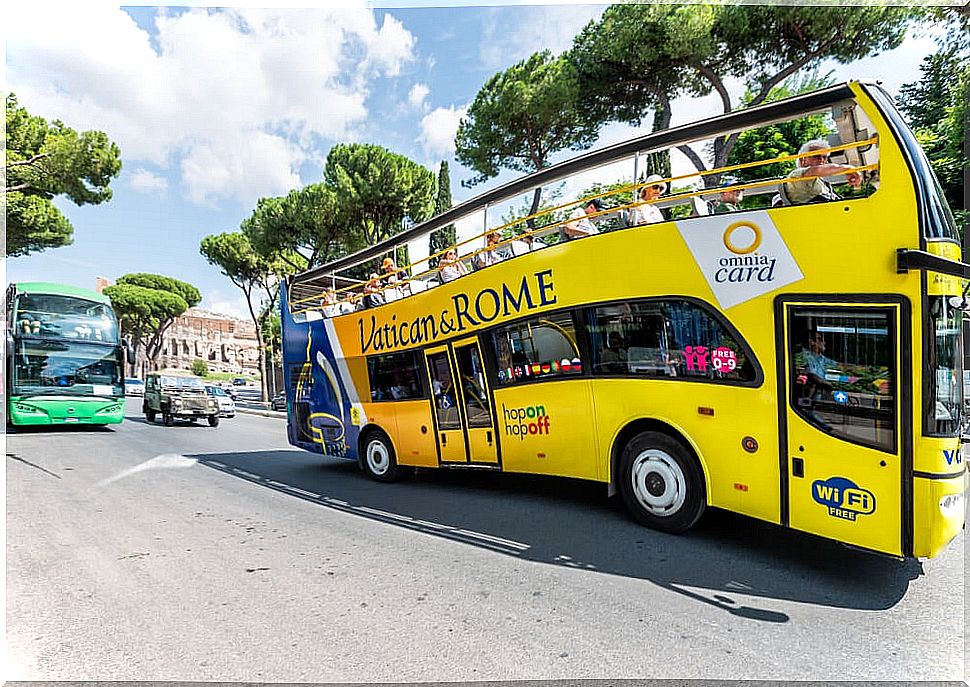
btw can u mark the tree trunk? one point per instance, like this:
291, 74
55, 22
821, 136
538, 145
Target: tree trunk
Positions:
537, 196
263, 389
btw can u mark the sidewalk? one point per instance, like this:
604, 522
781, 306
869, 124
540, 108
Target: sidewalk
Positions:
255, 409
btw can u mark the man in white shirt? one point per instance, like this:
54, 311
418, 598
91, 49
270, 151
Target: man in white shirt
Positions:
580, 223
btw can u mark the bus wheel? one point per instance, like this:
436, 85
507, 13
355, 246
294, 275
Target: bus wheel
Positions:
150, 414
661, 483
213, 420
379, 461
168, 419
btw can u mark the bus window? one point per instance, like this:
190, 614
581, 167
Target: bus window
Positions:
477, 408
843, 373
944, 364
665, 339
443, 390
395, 377
539, 348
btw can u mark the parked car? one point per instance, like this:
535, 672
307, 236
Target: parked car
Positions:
227, 407
134, 387
178, 396
229, 389
240, 381
279, 401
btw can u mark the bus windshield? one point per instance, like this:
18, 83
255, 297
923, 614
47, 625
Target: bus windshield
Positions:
57, 367
54, 316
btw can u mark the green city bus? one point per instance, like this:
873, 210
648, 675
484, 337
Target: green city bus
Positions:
65, 358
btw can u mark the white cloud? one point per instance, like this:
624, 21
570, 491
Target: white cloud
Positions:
236, 99
233, 305
147, 181
438, 129
418, 94
551, 27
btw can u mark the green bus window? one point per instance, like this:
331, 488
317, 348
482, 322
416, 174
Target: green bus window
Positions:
667, 339
843, 373
395, 377
539, 348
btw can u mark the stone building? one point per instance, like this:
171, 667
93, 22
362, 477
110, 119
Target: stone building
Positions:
226, 344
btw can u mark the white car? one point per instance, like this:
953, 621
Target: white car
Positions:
134, 387
227, 407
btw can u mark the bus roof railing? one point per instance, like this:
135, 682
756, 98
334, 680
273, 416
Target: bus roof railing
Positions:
740, 120
305, 294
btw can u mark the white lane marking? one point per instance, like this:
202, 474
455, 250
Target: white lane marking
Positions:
161, 462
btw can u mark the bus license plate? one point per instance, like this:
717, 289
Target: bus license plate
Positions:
70, 419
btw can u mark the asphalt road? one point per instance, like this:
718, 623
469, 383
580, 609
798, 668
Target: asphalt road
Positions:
191, 553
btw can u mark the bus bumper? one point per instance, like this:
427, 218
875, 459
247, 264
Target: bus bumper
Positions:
939, 512
25, 413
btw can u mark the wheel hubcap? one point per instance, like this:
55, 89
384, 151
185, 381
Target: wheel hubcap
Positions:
658, 482
378, 459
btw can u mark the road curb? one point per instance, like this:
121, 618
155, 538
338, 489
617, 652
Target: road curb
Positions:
264, 413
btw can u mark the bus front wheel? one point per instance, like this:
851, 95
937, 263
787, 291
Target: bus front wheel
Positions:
661, 483
379, 461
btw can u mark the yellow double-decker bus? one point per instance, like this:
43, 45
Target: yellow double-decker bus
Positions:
796, 358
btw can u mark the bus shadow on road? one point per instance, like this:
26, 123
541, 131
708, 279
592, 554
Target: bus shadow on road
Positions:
726, 561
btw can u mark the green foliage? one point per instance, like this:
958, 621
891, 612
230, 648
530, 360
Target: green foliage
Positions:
157, 282
147, 305
640, 57
936, 107
249, 271
446, 236
301, 229
553, 197
48, 159
523, 115
784, 138
33, 224
199, 368
375, 191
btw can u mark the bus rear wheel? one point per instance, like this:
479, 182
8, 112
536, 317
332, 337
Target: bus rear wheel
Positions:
379, 461
661, 483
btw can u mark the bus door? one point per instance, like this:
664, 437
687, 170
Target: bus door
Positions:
462, 406
844, 411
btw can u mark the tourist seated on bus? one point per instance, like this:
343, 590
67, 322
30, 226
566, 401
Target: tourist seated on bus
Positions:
525, 243
491, 254
451, 267
28, 323
372, 295
350, 303
328, 304
816, 190
730, 197
648, 213
581, 224
391, 274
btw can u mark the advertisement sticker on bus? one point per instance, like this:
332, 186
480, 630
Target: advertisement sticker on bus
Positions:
844, 498
740, 258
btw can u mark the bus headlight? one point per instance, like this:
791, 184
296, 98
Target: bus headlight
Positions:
177, 402
951, 505
21, 408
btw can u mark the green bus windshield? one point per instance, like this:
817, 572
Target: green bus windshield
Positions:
57, 367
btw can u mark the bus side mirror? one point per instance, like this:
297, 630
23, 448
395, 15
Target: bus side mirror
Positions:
129, 351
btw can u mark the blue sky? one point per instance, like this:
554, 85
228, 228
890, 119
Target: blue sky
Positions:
213, 109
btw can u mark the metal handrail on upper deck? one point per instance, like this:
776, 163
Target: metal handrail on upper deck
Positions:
313, 300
